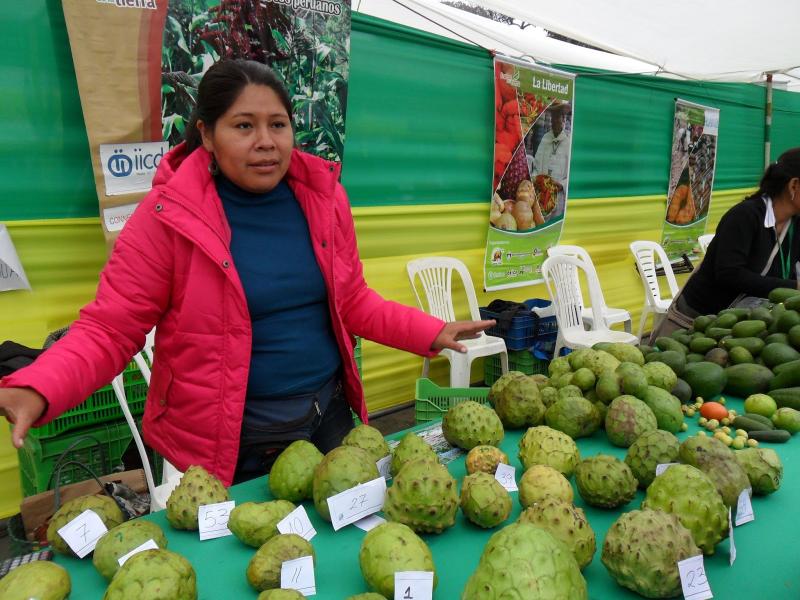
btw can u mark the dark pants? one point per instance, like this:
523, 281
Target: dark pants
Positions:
260, 446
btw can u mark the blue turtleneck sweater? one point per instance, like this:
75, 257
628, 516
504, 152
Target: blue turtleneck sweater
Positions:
294, 349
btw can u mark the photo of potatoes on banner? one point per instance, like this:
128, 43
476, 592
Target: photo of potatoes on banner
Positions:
532, 153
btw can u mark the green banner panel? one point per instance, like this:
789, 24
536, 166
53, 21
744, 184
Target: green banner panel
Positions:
785, 122
44, 154
419, 123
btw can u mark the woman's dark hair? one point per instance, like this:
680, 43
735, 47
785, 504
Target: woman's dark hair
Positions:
779, 173
221, 86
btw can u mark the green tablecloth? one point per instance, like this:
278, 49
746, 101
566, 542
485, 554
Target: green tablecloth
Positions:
767, 564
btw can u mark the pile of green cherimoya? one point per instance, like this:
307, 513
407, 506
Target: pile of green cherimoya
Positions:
611, 386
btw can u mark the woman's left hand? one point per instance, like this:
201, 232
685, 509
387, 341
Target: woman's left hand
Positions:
459, 330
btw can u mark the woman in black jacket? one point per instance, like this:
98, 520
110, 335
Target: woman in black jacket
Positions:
756, 247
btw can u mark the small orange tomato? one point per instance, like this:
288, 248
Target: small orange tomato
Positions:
714, 410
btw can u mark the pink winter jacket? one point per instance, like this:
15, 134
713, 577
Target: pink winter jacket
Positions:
172, 268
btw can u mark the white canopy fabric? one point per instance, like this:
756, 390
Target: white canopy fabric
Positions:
433, 17
711, 40
724, 40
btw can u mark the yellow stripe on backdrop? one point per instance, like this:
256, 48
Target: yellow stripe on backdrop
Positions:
63, 257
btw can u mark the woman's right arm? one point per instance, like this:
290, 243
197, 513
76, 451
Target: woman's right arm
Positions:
132, 295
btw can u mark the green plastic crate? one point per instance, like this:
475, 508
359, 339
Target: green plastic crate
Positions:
100, 407
521, 360
37, 457
432, 401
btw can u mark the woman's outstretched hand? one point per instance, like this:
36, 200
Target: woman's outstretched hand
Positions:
22, 407
454, 331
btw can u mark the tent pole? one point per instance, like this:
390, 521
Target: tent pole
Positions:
768, 122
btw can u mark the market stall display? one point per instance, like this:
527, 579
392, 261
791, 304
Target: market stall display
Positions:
618, 488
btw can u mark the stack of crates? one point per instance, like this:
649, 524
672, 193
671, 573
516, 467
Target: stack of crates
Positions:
101, 424
530, 341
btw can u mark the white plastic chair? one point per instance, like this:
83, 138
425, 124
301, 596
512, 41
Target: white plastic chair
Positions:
436, 276
610, 315
147, 352
704, 241
647, 254
170, 476
562, 276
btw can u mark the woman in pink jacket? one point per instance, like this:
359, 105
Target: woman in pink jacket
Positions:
244, 257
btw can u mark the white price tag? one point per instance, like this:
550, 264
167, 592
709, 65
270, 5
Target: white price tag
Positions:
506, 475
693, 578
744, 509
297, 522
660, 468
148, 545
82, 533
370, 522
298, 574
212, 519
413, 585
731, 545
385, 467
356, 503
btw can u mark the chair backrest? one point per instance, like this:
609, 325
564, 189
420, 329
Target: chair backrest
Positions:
647, 254
567, 250
577, 252
561, 274
704, 241
435, 274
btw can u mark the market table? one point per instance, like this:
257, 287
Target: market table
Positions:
767, 564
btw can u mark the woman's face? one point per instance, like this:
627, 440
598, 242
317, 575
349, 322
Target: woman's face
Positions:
252, 142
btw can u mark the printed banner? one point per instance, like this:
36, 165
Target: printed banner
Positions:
691, 178
533, 144
138, 64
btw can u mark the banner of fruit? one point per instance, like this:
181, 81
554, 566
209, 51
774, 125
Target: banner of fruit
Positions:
138, 65
693, 162
533, 144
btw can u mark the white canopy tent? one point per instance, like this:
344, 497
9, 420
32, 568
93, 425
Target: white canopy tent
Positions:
712, 40
533, 43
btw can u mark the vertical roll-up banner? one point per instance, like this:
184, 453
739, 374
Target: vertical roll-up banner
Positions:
691, 177
530, 185
138, 64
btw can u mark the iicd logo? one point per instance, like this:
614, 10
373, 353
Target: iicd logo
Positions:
130, 167
120, 164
